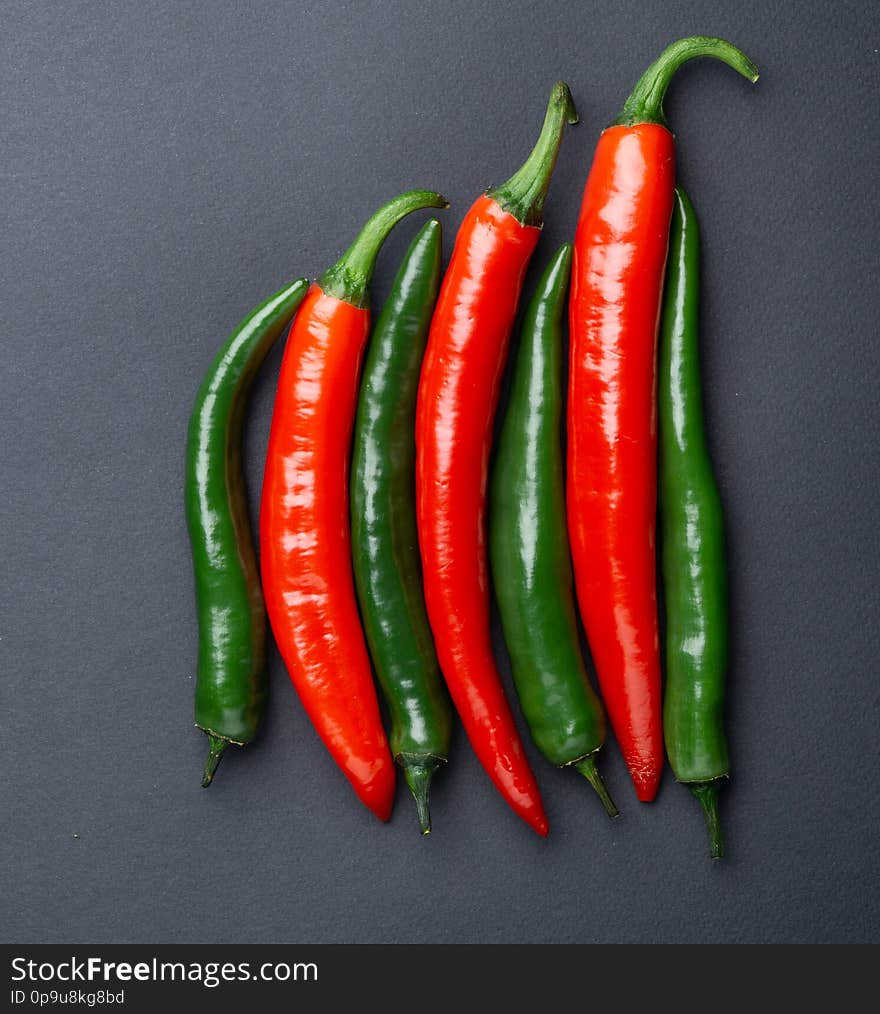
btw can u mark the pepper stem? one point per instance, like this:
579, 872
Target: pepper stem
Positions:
707, 794
587, 767
418, 776
645, 103
523, 195
349, 278
215, 751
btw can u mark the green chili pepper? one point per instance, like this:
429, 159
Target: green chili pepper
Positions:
383, 523
692, 532
231, 681
531, 568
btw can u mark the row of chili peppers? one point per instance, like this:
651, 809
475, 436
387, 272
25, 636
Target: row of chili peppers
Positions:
373, 516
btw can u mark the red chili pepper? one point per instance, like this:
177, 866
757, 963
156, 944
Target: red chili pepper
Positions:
617, 282
458, 392
305, 539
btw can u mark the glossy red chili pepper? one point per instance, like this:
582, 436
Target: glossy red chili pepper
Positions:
305, 540
617, 282
458, 392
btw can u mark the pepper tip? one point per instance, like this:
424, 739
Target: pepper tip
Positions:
537, 822
646, 785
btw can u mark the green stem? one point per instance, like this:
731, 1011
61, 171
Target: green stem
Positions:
645, 103
349, 278
587, 767
418, 776
216, 747
707, 794
523, 195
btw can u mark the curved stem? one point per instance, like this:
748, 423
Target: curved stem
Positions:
349, 278
707, 794
587, 767
645, 103
523, 195
216, 747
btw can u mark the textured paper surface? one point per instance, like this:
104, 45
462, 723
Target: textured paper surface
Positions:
167, 166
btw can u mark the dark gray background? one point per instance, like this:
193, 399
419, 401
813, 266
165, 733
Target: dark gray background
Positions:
164, 167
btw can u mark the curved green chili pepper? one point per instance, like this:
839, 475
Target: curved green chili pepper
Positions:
692, 530
383, 523
531, 568
231, 681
